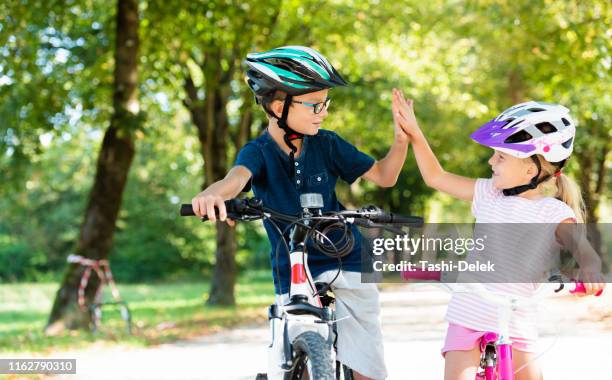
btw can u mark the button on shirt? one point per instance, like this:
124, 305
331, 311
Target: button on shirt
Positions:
324, 158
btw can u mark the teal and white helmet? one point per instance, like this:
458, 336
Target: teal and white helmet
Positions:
296, 70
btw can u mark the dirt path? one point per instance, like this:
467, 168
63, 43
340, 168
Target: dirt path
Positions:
414, 330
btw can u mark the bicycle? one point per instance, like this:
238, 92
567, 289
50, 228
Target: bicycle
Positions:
496, 346
305, 326
102, 269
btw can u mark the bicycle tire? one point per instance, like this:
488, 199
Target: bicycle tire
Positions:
312, 356
343, 372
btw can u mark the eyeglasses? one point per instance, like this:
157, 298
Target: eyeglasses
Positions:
316, 107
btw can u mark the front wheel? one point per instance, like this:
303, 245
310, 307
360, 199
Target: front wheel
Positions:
343, 372
312, 358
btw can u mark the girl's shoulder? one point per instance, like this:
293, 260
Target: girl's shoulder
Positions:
555, 209
486, 197
485, 188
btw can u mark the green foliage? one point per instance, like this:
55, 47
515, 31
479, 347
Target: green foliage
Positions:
462, 62
55, 76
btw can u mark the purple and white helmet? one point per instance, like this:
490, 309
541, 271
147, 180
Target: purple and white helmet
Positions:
530, 128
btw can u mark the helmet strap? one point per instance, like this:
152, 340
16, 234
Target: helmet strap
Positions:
290, 134
534, 181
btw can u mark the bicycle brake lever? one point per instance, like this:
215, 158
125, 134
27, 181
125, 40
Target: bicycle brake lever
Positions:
558, 278
370, 224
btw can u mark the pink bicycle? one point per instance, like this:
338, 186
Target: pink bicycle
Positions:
496, 347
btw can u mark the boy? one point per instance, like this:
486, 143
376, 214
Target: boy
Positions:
294, 156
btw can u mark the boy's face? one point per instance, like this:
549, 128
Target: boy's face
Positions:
301, 117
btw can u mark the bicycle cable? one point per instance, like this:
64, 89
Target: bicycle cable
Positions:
538, 356
334, 252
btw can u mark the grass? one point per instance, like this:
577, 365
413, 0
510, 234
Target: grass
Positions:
161, 313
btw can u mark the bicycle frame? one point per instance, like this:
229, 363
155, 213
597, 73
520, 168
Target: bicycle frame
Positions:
304, 310
306, 319
498, 363
502, 365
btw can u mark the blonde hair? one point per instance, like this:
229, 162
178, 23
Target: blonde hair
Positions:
564, 189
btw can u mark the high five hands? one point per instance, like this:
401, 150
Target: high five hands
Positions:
403, 114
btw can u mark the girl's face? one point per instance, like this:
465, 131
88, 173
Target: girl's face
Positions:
509, 171
301, 116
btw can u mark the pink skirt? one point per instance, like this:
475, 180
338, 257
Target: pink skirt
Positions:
459, 338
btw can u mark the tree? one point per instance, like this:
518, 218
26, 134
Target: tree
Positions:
215, 37
114, 160
561, 55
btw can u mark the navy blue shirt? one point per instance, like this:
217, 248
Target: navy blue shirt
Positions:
324, 158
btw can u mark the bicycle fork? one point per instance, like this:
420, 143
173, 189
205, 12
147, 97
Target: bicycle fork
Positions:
497, 361
303, 311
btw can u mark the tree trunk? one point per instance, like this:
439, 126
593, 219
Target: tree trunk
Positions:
592, 183
599, 189
515, 86
224, 275
211, 119
243, 134
114, 161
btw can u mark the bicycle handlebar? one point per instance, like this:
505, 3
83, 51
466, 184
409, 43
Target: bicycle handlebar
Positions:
252, 208
579, 288
417, 274
374, 214
236, 208
392, 218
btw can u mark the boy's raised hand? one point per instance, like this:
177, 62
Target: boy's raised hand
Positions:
403, 114
399, 134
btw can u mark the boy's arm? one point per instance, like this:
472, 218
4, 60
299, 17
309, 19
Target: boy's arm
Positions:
214, 195
385, 172
432, 172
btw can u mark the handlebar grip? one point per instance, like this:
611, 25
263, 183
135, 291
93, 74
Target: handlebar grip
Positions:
233, 207
397, 219
424, 275
406, 219
187, 210
579, 288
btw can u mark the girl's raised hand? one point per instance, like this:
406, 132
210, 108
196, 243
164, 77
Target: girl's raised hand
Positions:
403, 114
400, 135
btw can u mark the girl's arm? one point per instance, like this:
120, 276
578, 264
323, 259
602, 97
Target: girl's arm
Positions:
432, 172
573, 237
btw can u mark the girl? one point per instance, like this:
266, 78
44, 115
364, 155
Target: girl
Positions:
531, 143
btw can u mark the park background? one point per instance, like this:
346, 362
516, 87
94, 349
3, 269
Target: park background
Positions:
113, 113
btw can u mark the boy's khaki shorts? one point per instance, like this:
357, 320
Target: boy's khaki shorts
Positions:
360, 343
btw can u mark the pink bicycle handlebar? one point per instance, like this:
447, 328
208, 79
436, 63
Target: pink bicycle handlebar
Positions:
423, 275
579, 288
419, 274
